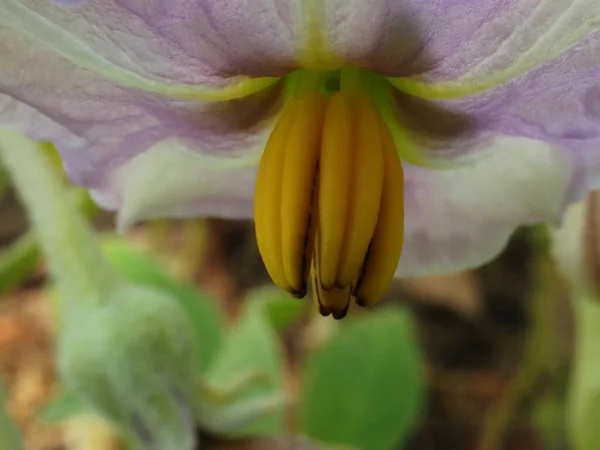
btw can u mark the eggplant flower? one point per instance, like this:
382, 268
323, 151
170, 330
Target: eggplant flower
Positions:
352, 130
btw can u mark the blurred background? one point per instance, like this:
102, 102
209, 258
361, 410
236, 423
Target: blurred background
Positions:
473, 360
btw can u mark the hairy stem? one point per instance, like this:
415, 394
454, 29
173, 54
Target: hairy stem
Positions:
76, 263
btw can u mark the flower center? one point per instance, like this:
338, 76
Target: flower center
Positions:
329, 198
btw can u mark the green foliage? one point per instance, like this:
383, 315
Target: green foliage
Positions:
365, 387
282, 310
62, 407
10, 437
17, 262
251, 347
549, 420
142, 269
584, 409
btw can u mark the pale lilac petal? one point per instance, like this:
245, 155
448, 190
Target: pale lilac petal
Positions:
98, 126
169, 180
69, 3
361, 31
462, 218
186, 43
558, 102
450, 40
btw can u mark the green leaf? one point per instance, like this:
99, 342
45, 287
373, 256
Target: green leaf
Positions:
18, 261
366, 386
62, 407
252, 347
10, 437
203, 313
549, 420
282, 310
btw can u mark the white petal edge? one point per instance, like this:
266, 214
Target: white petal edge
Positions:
462, 218
568, 244
170, 180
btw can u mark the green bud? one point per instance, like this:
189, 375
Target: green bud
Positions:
131, 358
127, 351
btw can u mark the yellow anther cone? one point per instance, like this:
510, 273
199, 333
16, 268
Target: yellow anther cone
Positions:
329, 198
335, 179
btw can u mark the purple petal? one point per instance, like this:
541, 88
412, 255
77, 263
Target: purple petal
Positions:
210, 43
558, 102
99, 127
68, 3
457, 39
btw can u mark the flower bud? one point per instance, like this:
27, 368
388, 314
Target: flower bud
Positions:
131, 358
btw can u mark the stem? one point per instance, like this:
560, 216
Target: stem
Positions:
76, 263
537, 359
584, 384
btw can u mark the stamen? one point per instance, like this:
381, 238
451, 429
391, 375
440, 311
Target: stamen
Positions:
329, 198
301, 150
268, 193
365, 192
335, 181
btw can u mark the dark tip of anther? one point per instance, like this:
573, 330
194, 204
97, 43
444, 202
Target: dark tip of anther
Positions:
338, 315
324, 311
302, 291
360, 302
299, 293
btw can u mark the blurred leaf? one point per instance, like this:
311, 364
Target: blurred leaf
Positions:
243, 417
549, 419
203, 313
4, 182
281, 309
281, 443
64, 406
17, 262
584, 397
366, 386
252, 347
10, 437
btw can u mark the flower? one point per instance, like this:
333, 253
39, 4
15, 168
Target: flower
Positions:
493, 108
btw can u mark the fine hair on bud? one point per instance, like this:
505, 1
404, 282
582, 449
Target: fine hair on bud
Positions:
131, 358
